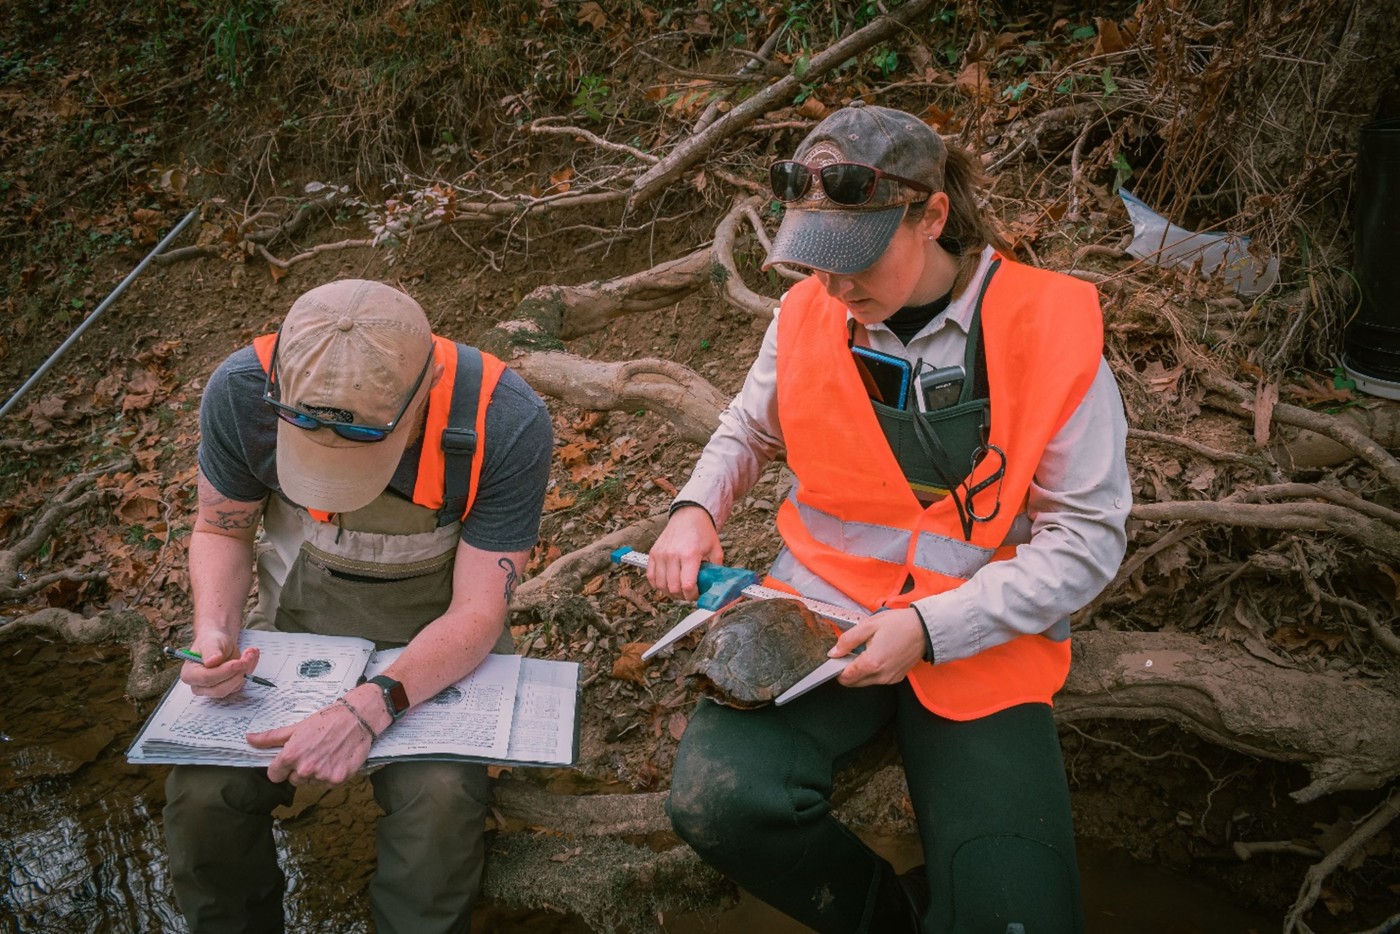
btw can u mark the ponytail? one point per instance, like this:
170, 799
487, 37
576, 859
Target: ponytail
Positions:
969, 228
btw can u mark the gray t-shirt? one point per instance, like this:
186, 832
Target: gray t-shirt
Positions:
238, 452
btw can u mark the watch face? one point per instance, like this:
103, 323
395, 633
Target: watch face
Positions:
395, 695
399, 696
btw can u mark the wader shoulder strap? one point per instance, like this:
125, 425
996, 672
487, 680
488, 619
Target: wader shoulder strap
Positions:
459, 437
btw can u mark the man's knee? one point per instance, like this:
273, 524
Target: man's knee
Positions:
202, 789
1001, 881
449, 788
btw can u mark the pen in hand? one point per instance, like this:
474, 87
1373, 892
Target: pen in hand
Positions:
188, 656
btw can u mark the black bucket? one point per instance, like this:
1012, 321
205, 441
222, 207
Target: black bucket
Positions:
1371, 347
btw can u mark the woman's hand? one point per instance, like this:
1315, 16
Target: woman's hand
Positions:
894, 643
223, 670
674, 561
328, 746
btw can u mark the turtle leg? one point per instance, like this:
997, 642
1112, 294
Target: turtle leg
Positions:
751, 793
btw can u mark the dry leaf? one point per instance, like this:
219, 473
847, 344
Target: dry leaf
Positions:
1110, 40
676, 726
576, 452
1160, 379
556, 499
629, 665
559, 181
622, 448
589, 475
812, 109
592, 14
974, 82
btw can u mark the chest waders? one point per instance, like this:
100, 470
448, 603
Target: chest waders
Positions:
382, 572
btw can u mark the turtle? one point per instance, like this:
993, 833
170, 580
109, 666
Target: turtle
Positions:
757, 649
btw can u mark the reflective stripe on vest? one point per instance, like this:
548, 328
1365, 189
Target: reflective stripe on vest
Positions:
951, 557
852, 522
432, 464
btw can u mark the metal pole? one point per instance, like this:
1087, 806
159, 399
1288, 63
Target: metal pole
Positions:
73, 338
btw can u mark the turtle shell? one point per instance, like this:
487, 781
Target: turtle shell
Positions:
757, 649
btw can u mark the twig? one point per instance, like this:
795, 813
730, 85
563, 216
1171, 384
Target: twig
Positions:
1379, 631
1385, 927
745, 72
1138, 434
544, 129
1245, 851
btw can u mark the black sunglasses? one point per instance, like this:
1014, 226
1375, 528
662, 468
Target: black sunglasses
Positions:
347, 430
849, 184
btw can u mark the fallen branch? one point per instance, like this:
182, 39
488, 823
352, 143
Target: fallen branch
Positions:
688, 153
738, 294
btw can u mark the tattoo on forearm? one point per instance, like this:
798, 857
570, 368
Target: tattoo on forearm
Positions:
507, 565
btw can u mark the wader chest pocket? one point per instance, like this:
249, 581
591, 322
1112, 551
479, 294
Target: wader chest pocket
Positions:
954, 435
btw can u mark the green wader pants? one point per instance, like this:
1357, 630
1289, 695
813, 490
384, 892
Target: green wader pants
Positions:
430, 846
751, 793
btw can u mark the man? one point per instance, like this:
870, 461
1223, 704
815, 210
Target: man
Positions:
398, 479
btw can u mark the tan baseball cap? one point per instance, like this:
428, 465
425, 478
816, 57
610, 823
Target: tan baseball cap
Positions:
350, 351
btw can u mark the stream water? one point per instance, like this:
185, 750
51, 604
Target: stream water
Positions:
81, 845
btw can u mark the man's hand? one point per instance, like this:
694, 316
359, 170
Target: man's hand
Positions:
894, 643
328, 746
223, 670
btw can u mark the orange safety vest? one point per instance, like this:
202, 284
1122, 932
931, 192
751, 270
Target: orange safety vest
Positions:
852, 519
432, 463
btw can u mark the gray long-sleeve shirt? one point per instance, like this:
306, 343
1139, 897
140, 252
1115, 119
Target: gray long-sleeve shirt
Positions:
1077, 504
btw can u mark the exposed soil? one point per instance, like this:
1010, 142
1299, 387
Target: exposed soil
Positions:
130, 386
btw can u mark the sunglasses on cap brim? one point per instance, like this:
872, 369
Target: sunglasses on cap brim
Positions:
849, 184
350, 431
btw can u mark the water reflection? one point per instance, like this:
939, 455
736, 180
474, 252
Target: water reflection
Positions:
81, 845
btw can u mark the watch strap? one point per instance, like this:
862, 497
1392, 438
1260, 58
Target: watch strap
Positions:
395, 696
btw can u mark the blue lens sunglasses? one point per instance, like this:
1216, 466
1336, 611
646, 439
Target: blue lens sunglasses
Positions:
347, 430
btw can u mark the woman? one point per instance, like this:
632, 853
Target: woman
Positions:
969, 514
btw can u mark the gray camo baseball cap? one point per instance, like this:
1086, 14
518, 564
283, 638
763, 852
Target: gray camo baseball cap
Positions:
820, 234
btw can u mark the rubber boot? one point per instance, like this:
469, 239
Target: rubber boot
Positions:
898, 904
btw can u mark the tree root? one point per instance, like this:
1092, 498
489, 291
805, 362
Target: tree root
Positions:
1312, 882
149, 676
565, 576
76, 495
1341, 729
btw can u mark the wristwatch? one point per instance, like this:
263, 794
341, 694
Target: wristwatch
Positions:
395, 697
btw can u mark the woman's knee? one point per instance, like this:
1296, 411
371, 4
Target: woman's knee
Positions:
451, 788
718, 802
